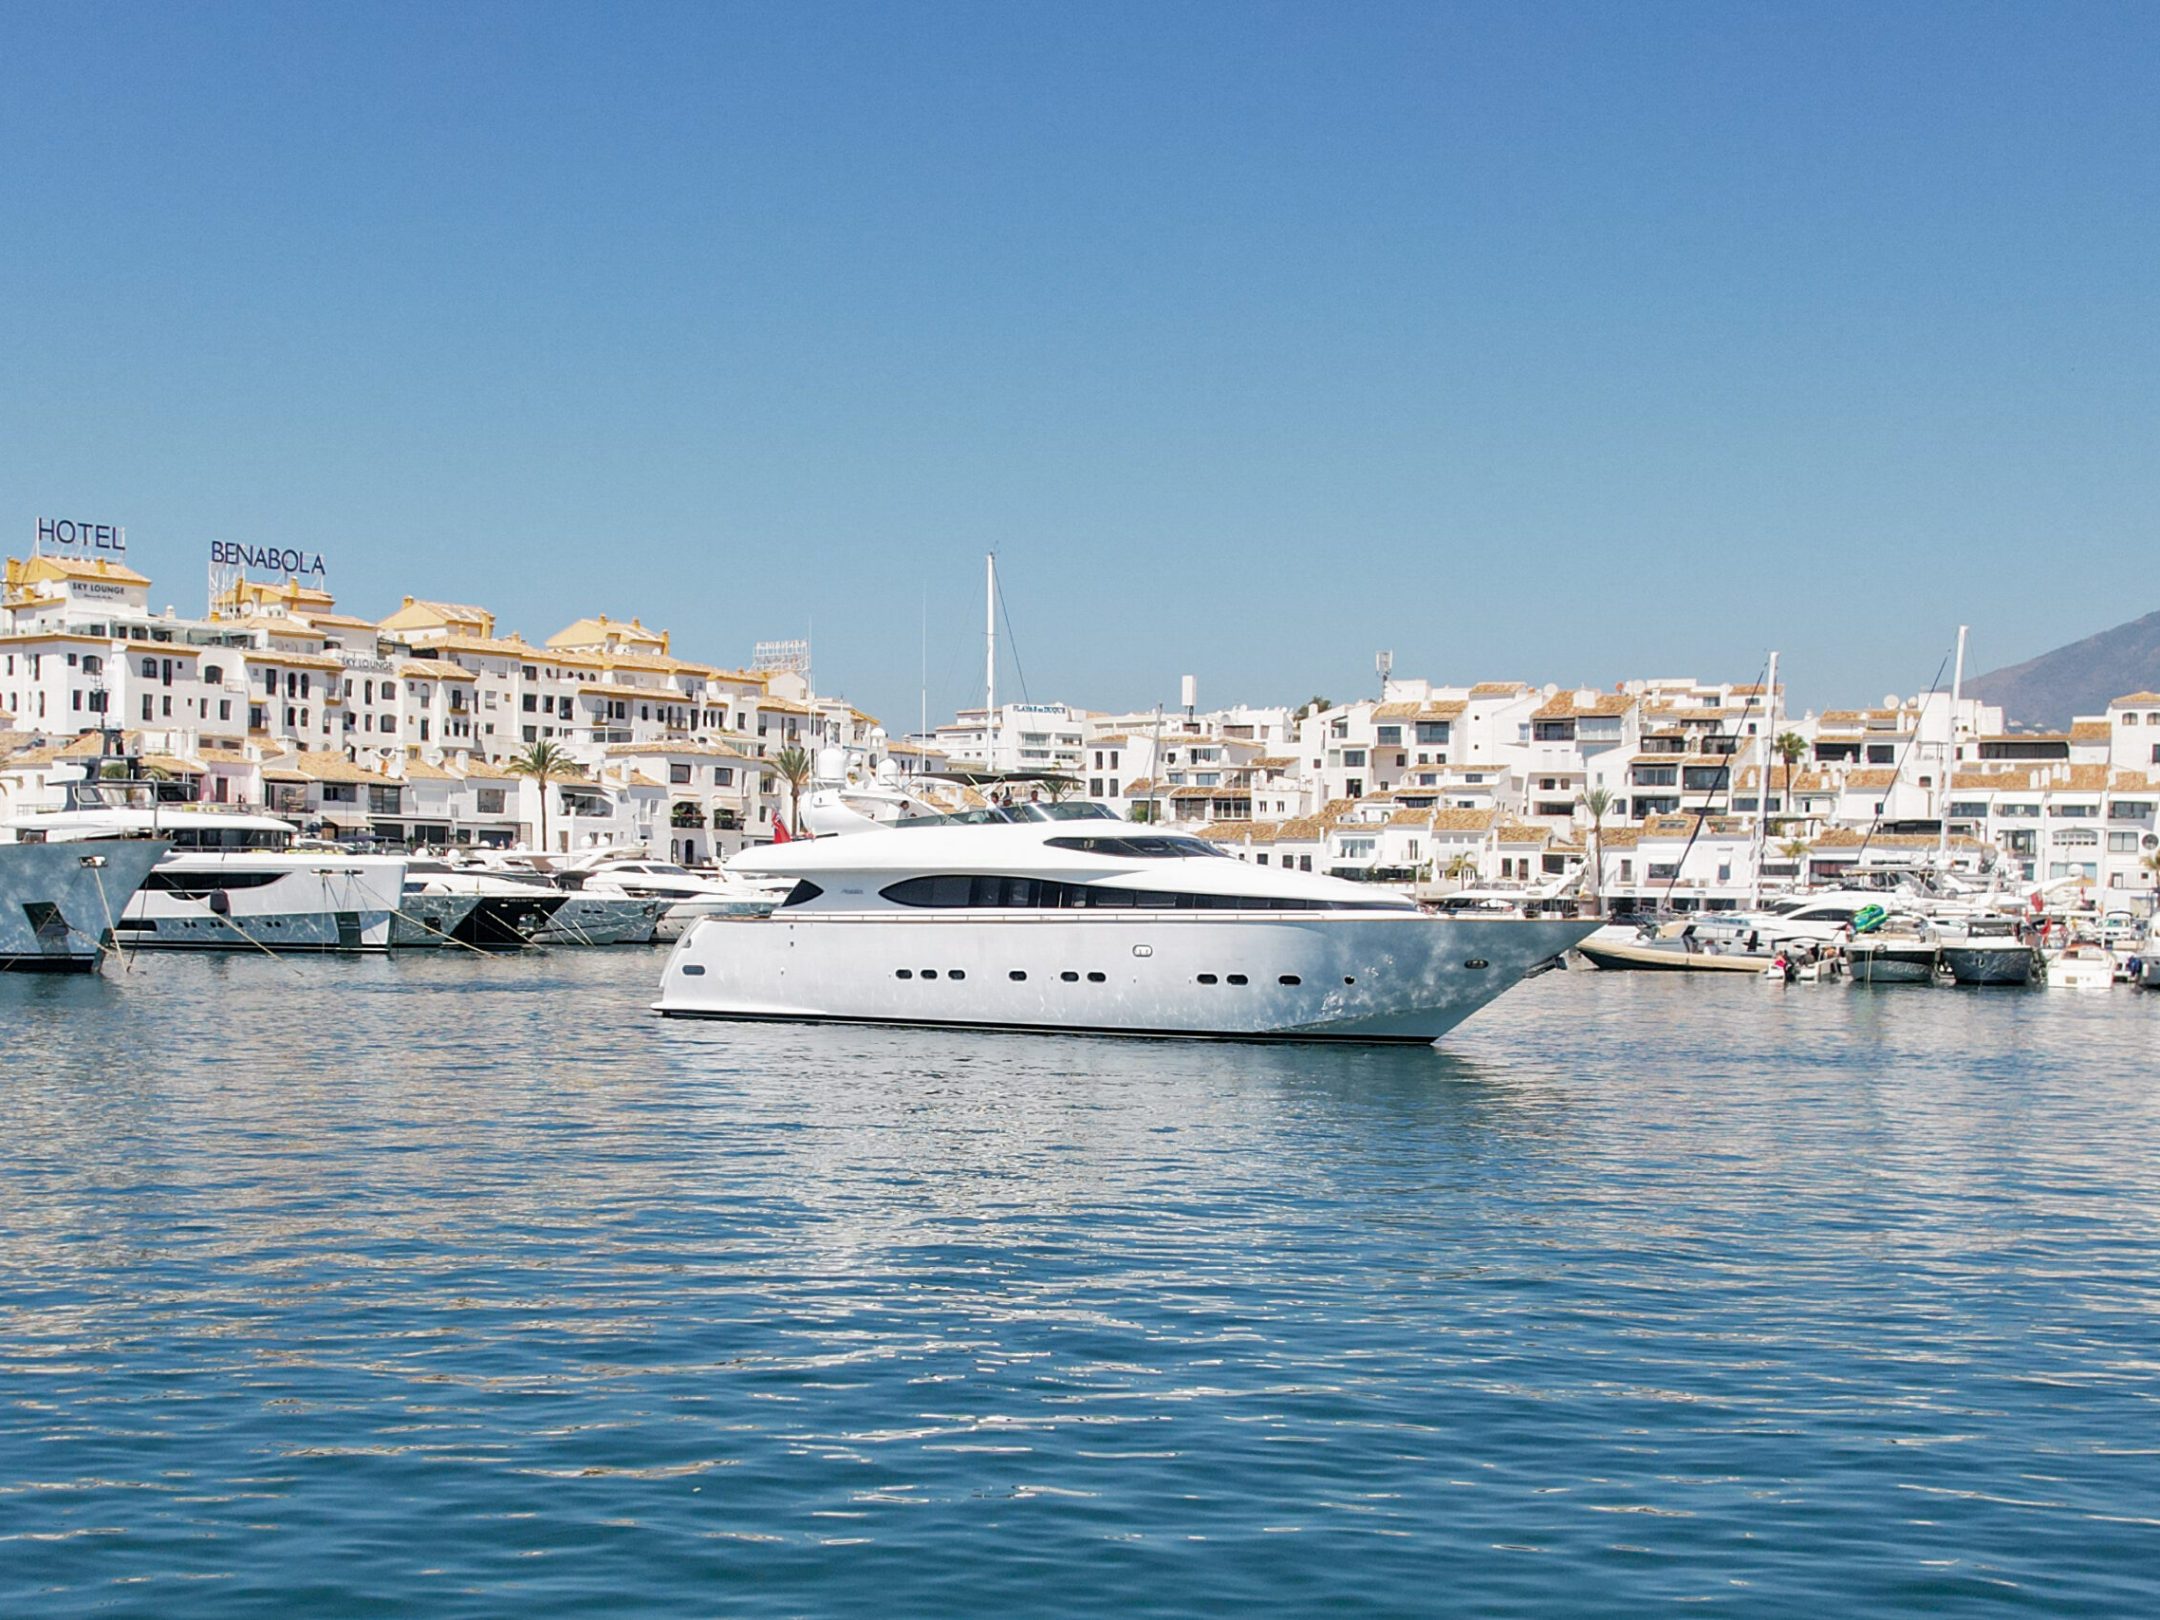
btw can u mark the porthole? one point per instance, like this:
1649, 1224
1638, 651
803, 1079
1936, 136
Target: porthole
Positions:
1289, 978
1016, 975
1070, 978
1347, 979
1239, 978
955, 973
929, 973
1098, 978
1207, 978
904, 973
692, 970
1477, 962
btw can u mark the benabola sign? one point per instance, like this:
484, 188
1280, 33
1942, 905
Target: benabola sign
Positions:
274, 559
81, 536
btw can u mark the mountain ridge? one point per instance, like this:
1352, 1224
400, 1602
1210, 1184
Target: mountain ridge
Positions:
2080, 678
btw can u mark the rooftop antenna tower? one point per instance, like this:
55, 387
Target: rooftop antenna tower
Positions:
1384, 664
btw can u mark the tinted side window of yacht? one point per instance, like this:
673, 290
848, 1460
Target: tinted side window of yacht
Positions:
804, 890
1150, 847
987, 892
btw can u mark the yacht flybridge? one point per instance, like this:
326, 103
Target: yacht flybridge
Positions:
1092, 925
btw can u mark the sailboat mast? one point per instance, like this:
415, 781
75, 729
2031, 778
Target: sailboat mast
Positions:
1762, 788
1949, 767
990, 661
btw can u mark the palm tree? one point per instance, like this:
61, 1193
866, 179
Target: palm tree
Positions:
1599, 802
1462, 868
2151, 863
1060, 788
543, 762
794, 768
1791, 747
1795, 850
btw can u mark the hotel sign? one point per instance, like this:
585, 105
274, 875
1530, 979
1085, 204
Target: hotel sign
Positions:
75, 536
290, 560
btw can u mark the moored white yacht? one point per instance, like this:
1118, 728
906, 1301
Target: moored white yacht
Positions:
687, 896
1093, 926
232, 880
60, 903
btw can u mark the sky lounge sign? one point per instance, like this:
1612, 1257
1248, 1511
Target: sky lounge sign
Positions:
77, 538
287, 560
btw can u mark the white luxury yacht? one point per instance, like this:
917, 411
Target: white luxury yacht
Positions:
1086, 924
688, 896
574, 916
231, 882
60, 903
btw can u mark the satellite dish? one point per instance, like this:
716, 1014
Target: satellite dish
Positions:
832, 763
1890, 701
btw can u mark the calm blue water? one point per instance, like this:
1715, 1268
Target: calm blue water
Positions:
433, 1286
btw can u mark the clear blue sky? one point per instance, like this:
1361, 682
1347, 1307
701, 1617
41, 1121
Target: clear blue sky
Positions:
1531, 341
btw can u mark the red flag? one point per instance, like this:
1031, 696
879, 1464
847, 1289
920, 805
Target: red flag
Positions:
780, 834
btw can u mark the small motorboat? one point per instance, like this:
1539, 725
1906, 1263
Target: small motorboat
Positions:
2083, 966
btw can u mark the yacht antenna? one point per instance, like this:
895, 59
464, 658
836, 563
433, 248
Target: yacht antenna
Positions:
1762, 787
1949, 769
990, 662
924, 733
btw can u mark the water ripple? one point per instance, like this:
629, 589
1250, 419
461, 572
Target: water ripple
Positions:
454, 1287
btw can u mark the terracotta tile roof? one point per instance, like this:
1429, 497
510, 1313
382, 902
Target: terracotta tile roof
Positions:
1239, 832
1854, 837
1460, 820
2143, 700
2090, 731
328, 766
1304, 828
2084, 779
1872, 781
88, 568
1498, 689
683, 749
1981, 781
1573, 705
1430, 709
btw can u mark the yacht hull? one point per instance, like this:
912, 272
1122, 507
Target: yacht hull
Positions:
1235, 976
209, 902
59, 902
683, 915
430, 921
1891, 964
1989, 964
507, 919
1666, 956
589, 920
